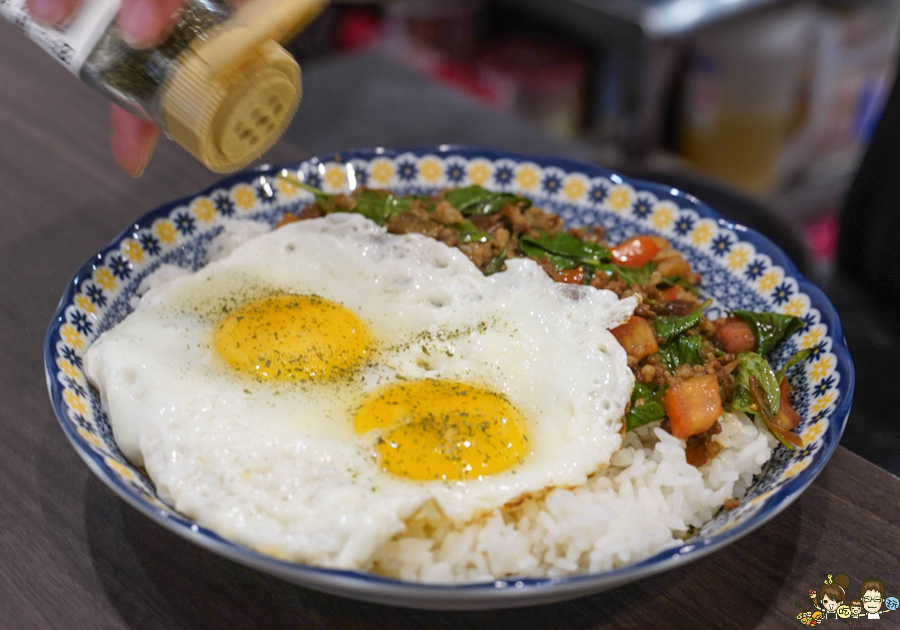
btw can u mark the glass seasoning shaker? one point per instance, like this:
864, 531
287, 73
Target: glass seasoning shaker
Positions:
221, 85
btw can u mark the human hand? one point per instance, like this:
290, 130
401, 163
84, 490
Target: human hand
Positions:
143, 24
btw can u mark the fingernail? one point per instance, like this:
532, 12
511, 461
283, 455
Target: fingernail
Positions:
145, 157
48, 12
140, 23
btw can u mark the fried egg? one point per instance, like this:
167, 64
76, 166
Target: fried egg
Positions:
315, 390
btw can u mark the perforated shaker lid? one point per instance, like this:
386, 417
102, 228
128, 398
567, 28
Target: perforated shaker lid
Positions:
231, 96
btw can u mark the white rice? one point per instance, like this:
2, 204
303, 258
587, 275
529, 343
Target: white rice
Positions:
645, 501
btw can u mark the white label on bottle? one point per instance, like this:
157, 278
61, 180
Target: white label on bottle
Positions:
72, 42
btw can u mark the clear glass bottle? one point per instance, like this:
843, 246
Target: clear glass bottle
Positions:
134, 78
221, 85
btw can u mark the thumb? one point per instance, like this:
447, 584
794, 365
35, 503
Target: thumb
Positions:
52, 12
147, 23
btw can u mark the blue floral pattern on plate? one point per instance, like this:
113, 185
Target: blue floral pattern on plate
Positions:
740, 269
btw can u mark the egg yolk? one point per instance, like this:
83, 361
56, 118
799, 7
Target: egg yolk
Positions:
443, 430
298, 337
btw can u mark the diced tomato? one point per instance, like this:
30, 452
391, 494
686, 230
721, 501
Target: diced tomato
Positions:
635, 252
571, 276
693, 406
637, 337
735, 335
786, 418
671, 293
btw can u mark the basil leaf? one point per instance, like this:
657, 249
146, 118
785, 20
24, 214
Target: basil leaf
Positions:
797, 357
564, 245
643, 390
645, 414
468, 233
678, 348
477, 201
588, 275
651, 410
769, 328
753, 364
495, 264
559, 262
380, 205
673, 280
669, 326
680, 351
322, 197
631, 275
779, 436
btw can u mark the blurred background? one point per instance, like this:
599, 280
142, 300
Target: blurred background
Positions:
774, 100
771, 111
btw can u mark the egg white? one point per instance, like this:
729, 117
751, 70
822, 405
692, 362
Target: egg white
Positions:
277, 465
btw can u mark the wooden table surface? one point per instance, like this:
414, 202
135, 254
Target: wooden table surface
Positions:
73, 555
